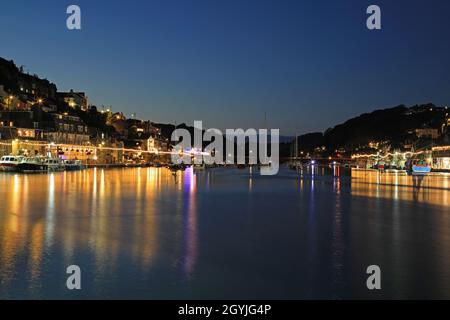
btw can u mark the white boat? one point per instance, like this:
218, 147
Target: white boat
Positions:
32, 165
73, 165
9, 163
54, 165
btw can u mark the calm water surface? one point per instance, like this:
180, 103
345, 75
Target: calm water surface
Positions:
223, 233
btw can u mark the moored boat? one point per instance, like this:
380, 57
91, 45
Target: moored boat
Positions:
54, 165
73, 165
32, 165
9, 163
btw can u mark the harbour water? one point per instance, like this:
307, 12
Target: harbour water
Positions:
223, 233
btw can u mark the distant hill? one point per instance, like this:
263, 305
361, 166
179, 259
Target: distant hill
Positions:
394, 125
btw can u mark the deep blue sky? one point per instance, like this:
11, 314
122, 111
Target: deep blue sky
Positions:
308, 64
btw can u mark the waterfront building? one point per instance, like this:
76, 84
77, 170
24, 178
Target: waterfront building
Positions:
432, 133
442, 163
12, 133
68, 130
109, 151
441, 157
86, 153
158, 143
35, 88
18, 118
139, 128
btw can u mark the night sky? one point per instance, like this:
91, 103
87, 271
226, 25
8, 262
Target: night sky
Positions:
308, 64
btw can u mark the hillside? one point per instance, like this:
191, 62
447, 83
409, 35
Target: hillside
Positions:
394, 125
16, 81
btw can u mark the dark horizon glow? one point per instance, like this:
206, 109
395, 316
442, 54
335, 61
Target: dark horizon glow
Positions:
308, 64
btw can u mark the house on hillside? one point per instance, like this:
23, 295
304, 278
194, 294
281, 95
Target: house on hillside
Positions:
432, 133
76, 100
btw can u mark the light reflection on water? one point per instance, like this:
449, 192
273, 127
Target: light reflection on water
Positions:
397, 186
224, 233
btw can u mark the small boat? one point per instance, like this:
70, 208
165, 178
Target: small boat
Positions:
9, 163
73, 165
421, 167
32, 165
54, 165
